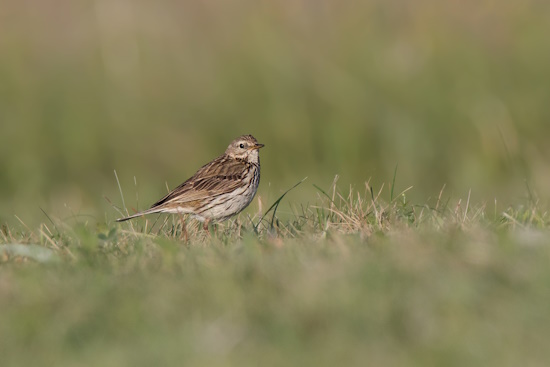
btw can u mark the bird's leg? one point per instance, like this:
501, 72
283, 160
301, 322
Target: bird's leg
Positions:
184, 232
205, 224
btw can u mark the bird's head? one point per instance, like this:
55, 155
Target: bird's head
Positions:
244, 147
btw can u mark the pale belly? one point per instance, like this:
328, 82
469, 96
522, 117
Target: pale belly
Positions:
224, 206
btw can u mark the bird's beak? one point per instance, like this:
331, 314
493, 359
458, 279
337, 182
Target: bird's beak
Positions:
257, 146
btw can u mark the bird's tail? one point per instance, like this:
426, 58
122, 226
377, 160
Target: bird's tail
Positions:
140, 214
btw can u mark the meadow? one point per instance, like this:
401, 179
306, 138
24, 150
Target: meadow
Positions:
402, 215
354, 280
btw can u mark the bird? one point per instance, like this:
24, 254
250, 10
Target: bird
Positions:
219, 189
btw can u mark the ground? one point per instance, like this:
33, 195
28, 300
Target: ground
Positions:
352, 280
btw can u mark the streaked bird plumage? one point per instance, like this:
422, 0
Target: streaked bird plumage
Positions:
219, 189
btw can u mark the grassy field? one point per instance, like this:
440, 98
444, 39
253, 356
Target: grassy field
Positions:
441, 259
352, 280
454, 93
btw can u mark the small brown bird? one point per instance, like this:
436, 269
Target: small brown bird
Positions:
219, 189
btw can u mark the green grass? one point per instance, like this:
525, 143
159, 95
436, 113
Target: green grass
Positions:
430, 95
454, 93
350, 280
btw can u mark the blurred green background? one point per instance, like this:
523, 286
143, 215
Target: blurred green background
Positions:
453, 92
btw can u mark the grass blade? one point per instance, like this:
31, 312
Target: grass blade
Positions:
393, 183
275, 205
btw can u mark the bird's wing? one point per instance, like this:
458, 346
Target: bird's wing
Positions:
222, 175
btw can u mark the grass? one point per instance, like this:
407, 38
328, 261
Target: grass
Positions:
454, 92
350, 280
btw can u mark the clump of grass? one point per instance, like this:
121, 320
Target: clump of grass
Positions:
336, 213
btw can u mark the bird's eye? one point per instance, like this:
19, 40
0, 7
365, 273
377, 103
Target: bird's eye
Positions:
241, 146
